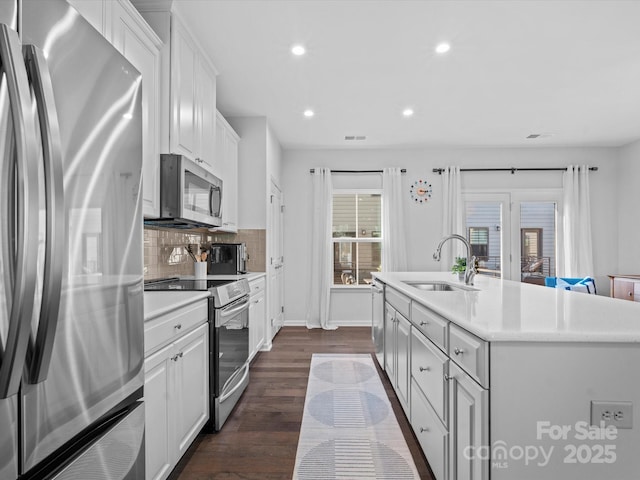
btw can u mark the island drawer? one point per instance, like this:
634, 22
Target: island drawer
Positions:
432, 435
168, 327
471, 353
432, 325
428, 368
398, 301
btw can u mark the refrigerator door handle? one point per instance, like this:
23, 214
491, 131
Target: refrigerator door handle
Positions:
27, 212
40, 348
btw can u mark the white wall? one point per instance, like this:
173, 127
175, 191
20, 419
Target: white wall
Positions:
628, 207
252, 171
423, 221
274, 158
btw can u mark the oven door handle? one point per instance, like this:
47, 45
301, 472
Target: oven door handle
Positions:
226, 395
224, 313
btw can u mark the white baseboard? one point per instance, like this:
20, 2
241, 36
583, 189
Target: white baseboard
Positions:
341, 323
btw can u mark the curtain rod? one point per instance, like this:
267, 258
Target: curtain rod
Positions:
312, 170
513, 170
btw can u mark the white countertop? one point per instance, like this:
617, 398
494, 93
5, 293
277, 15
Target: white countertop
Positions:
503, 310
249, 276
157, 303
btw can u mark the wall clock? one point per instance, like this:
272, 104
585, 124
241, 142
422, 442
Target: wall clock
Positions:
420, 191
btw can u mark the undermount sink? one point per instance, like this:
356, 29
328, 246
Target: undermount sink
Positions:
432, 286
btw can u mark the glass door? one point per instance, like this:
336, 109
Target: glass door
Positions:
535, 227
486, 215
515, 235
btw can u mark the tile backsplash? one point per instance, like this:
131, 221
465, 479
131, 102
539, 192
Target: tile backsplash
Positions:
165, 250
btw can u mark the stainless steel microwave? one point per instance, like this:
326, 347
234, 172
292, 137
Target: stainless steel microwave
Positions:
190, 196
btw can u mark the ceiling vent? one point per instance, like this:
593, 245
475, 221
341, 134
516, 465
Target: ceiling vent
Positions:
355, 137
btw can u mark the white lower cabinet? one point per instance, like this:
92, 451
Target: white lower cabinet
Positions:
176, 395
436, 369
469, 428
158, 447
403, 345
191, 386
257, 316
397, 338
390, 343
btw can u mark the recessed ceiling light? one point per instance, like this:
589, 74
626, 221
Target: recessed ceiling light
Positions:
298, 50
407, 112
308, 113
443, 48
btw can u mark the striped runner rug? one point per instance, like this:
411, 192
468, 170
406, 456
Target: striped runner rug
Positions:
349, 430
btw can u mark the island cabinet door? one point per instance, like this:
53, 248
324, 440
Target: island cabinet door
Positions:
390, 343
403, 345
469, 427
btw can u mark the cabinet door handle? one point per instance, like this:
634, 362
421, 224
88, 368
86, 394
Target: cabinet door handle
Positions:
425, 369
178, 326
458, 351
448, 377
424, 429
630, 294
422, 324
175, 358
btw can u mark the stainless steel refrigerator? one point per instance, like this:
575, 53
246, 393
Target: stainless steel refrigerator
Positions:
71, 281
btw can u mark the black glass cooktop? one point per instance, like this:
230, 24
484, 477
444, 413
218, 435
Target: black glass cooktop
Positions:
183, 284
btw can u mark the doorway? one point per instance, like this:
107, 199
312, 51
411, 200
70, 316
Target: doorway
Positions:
515, 234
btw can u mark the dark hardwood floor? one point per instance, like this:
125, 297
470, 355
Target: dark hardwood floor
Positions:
260, 438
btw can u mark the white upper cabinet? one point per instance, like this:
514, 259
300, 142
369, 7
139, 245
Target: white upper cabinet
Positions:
133, 37
226, 147
188, 100
182, 136
206, 114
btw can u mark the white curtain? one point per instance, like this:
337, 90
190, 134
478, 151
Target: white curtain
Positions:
578, 250
452, 217
394, 248
321, 268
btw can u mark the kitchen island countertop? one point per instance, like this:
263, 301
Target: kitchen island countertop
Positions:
249, 276
504, 310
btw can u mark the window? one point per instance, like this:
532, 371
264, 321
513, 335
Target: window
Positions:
356, 236
531, 242
479, 240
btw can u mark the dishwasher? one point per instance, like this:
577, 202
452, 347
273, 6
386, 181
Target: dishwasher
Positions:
377, 320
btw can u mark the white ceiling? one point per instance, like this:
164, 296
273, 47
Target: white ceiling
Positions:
567, 68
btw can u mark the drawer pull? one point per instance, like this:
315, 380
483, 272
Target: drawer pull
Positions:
448, 377
425, 369
178, 326
424, 429
422, 324
458, 351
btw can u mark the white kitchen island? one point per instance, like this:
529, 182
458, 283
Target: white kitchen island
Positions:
506, 381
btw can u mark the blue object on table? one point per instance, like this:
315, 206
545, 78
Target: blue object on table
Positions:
586, 284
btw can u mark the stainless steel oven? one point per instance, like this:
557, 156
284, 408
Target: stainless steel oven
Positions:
230, 354
228, 340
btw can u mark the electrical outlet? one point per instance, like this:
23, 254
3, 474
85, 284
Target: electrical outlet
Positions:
618, 414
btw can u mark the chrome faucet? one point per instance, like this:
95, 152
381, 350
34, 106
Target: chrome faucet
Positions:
470, 270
